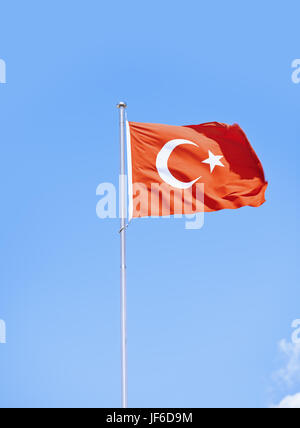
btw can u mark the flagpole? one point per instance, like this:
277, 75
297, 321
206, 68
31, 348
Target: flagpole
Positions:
122, 106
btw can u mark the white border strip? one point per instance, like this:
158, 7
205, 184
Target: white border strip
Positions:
129, 172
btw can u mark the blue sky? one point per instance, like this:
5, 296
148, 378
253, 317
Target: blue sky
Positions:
206, 309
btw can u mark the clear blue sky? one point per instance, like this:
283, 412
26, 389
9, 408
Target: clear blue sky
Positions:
206, 308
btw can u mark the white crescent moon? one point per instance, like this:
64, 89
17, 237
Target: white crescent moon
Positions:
162, 164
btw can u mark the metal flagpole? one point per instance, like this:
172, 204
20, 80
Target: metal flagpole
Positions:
122, 106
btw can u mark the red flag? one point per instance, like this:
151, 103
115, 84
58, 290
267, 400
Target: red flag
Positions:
167, 164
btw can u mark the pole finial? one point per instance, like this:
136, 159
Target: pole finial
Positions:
121, 104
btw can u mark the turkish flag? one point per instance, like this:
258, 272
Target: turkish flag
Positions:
186, 169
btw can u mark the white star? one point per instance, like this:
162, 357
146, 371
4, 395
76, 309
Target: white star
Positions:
213, 161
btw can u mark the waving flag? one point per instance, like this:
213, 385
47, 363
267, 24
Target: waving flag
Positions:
177, 159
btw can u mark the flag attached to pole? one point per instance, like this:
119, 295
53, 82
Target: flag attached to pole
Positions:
167, 163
